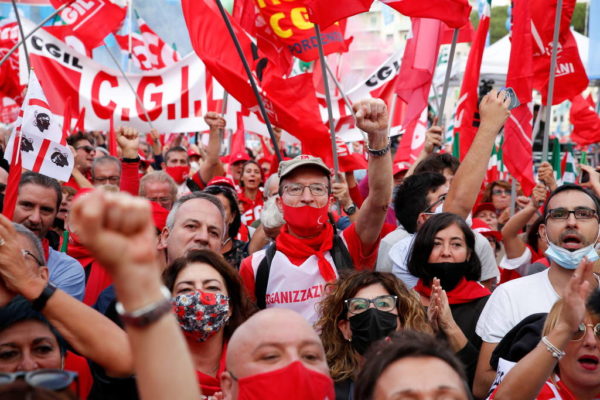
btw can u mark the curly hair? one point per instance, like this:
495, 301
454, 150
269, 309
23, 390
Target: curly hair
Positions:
344, 362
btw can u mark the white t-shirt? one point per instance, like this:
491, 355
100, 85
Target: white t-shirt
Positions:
513, 301
384, 262
399, 253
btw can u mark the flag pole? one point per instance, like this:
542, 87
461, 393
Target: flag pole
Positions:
336, 167
137, 98
447, 77
23, 39
551, 79
261, 105
513, 197
18, 17
129, 39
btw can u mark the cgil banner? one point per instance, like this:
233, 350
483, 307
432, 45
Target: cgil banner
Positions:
175, 98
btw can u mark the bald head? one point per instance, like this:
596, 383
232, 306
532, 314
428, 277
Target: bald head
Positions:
269, 340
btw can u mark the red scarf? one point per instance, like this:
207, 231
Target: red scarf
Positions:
465, 292
298, 248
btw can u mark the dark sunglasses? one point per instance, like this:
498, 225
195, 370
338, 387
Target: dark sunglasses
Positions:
87, 149
50, 379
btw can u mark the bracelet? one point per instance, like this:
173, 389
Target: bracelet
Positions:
555, 351
148, 314
380, 152
39, 303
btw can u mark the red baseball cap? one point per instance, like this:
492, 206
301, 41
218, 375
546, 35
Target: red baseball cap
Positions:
221, 181
480, 226
400, 166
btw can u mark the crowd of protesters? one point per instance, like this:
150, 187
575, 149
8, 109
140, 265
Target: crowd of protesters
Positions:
170, 272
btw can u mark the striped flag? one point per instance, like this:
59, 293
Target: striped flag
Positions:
555, 160
569, 169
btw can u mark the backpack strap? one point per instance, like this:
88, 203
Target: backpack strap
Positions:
262, 277
341, 256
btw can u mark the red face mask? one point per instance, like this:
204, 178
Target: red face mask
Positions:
178, 173
306, 220
293, 382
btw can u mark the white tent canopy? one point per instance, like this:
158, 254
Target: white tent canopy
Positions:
496, 57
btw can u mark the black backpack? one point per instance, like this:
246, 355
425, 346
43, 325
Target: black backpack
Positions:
341, 259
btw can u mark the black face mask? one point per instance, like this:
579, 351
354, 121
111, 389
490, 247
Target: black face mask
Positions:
448, 273
370, 326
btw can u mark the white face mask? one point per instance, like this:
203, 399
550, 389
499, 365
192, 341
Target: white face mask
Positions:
570, 259
195, 165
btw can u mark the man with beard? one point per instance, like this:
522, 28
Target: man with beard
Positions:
38, 202
571, 229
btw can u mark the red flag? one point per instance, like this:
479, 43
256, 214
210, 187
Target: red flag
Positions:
14, 177
571, 78
237, 152
466, 125
112, 138
66, 128
416, 70
80, 126
288, 23
517, 147
455, 13
90, 21
586, 123
465, 34
413, 140
290, 103
10, 86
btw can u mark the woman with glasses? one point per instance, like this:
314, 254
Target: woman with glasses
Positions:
565, 364
443, 258
362, 308
498, 193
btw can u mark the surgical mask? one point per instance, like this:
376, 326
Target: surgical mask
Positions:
370, 326
201, 315
570, 259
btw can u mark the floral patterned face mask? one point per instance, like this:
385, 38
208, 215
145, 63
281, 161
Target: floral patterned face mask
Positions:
201, 314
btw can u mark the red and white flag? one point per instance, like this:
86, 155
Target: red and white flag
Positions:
413, 140
148, 49
517, 147
88, 21
40, 134
466, 124
455, 13
571, 78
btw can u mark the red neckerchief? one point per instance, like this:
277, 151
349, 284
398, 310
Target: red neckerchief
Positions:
465, 292
46, 247
248, 202
211, 384
298, 248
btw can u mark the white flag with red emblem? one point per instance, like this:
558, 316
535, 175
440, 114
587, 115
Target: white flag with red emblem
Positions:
43, 147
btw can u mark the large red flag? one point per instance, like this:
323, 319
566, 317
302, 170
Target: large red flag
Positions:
290, 102
517, 147
571, 78
469, 91
586, 123
14, 174
455, 13
416, 70
89, 21
288, 23
10, 86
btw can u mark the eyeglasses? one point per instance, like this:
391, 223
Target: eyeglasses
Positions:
110, 179
51, 379
296, 189
500, 191
30, 254
582, 329
359, 305
433, 206
161, 200
579, 213
86, 148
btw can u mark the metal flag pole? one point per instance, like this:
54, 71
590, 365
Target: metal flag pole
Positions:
261, 105
513, 197
137, 98
336, 167
551, 80
18, 17
447, 77
129, 39
24, 38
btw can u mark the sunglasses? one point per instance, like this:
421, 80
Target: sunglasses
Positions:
582, 329
87, 149
50, 379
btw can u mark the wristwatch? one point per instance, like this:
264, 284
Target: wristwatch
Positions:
39, 303
146, 315
351, 209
